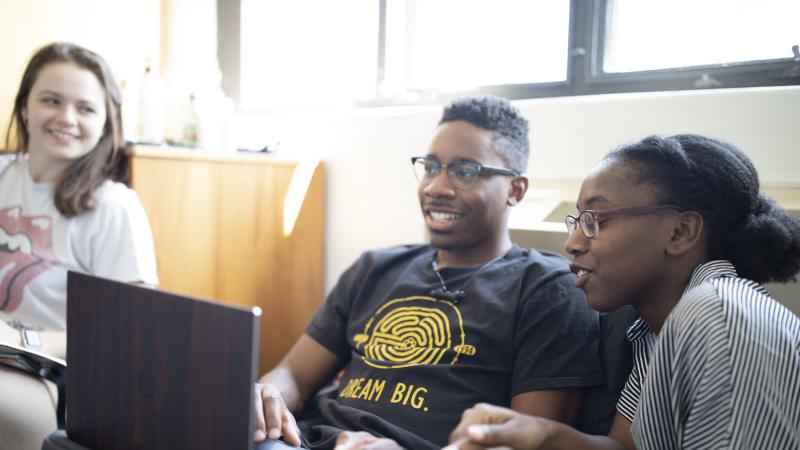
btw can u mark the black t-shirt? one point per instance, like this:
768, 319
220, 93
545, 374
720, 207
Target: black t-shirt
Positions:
418, 361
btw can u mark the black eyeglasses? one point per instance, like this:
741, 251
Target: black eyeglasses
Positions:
589, 220
462, 173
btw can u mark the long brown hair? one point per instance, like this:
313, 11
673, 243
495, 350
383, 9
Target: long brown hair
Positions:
75, 188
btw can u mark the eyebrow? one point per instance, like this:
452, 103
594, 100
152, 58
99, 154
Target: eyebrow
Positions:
46, 92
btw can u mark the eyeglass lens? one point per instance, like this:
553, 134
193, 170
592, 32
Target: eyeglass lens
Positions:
588, 224
460, 172
585, 220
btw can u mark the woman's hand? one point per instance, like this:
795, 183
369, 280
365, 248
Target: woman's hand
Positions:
486, 426
273, 418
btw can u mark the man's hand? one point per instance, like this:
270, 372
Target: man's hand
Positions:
485, 426
359, 440
273, 418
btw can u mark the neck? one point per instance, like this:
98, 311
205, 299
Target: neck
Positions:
660, 301
457, 257
42, 171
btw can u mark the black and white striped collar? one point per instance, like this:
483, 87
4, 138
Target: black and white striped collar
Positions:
637, 330
710, 270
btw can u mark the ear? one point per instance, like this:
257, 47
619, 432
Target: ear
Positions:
519, 186
687, 233
24, 114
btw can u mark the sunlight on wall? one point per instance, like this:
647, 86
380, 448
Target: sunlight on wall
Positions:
124, 32
296, 195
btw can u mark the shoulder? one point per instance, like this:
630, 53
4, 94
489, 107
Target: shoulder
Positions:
719, 295
395, 254
732, 303
748, 306
703, 297
115, 194
386, 259
546, 282
542, 260
115, 201
8, 160
540, 267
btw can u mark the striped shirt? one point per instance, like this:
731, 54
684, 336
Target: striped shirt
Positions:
724, 372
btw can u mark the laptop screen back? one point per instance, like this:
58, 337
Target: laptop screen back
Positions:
148, 369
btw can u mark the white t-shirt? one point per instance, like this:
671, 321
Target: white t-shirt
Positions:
38, 245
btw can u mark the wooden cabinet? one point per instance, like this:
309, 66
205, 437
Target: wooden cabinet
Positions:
224, 230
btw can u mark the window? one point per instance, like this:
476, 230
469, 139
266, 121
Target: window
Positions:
301, 52
645, 35
284, 53
455, 45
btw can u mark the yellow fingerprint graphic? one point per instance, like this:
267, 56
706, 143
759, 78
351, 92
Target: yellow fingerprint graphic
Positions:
414, 330
410, 335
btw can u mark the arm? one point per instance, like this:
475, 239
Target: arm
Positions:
487, 426
556, 354
562, 405
118, 244
284, 389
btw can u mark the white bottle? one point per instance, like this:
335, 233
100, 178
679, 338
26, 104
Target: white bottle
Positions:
191, 131
152, 108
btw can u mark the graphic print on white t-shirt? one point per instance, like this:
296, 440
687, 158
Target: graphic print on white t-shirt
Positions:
26, 250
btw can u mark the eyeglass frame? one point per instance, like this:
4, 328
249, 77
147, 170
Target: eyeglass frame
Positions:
602, 214
450, 176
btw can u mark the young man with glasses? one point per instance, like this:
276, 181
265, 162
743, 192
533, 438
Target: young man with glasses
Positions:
425, 331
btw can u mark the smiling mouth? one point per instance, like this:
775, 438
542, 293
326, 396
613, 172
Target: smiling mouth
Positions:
63, 136
444, 217
581, 275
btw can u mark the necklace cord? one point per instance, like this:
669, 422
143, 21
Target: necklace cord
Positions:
457, 295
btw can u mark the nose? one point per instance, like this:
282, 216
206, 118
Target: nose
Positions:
67, 115
576, 243
440, 186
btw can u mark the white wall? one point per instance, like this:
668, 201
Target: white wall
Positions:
571, 135
371, 190
124, 32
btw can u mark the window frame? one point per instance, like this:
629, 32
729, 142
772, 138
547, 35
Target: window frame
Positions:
584, 75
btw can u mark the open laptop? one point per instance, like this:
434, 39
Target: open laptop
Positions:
149, 369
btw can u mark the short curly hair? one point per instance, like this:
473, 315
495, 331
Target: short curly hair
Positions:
495, 114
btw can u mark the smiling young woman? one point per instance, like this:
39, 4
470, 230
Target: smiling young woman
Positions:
62, 207
676, 227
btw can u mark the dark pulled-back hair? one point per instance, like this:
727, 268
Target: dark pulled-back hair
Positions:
719, 181
75, 189
498, 115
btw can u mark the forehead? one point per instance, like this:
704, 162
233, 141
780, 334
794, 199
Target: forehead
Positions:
459, 139
611, 185
69, 80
